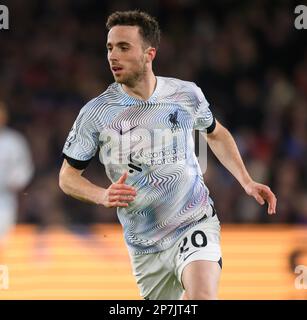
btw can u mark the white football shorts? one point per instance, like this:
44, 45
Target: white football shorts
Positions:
159, 274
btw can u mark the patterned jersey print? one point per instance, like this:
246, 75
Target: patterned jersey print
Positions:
153, 141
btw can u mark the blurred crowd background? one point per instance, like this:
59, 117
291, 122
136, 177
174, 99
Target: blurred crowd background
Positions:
247, 57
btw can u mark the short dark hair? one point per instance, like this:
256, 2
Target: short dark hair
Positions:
148, 25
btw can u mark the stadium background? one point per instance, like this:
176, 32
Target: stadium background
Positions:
251, 63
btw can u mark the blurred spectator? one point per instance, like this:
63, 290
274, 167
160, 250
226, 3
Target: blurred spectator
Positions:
16, 170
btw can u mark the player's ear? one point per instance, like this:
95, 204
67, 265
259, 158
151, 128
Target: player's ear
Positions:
150, 53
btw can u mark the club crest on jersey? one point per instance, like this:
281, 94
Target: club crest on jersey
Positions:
173, 120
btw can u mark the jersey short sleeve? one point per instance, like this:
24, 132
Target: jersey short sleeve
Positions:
203, 117
83, 139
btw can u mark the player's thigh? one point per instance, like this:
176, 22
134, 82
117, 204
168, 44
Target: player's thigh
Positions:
200, 279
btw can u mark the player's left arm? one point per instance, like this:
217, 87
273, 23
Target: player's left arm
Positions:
225, 149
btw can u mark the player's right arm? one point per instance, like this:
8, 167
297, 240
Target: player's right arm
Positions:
72, 183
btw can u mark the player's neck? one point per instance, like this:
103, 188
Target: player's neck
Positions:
143, 89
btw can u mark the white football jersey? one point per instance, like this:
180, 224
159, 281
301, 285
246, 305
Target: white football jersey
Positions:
153, 141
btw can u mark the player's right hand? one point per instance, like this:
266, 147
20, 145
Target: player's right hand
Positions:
119, 194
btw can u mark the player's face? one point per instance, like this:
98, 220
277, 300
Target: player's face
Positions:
127, 54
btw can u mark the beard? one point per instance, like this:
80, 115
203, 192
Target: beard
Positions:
131, 79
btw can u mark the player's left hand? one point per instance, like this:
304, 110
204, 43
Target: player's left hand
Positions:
262, 193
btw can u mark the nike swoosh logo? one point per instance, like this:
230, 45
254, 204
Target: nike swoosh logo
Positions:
186, 257
121, 130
